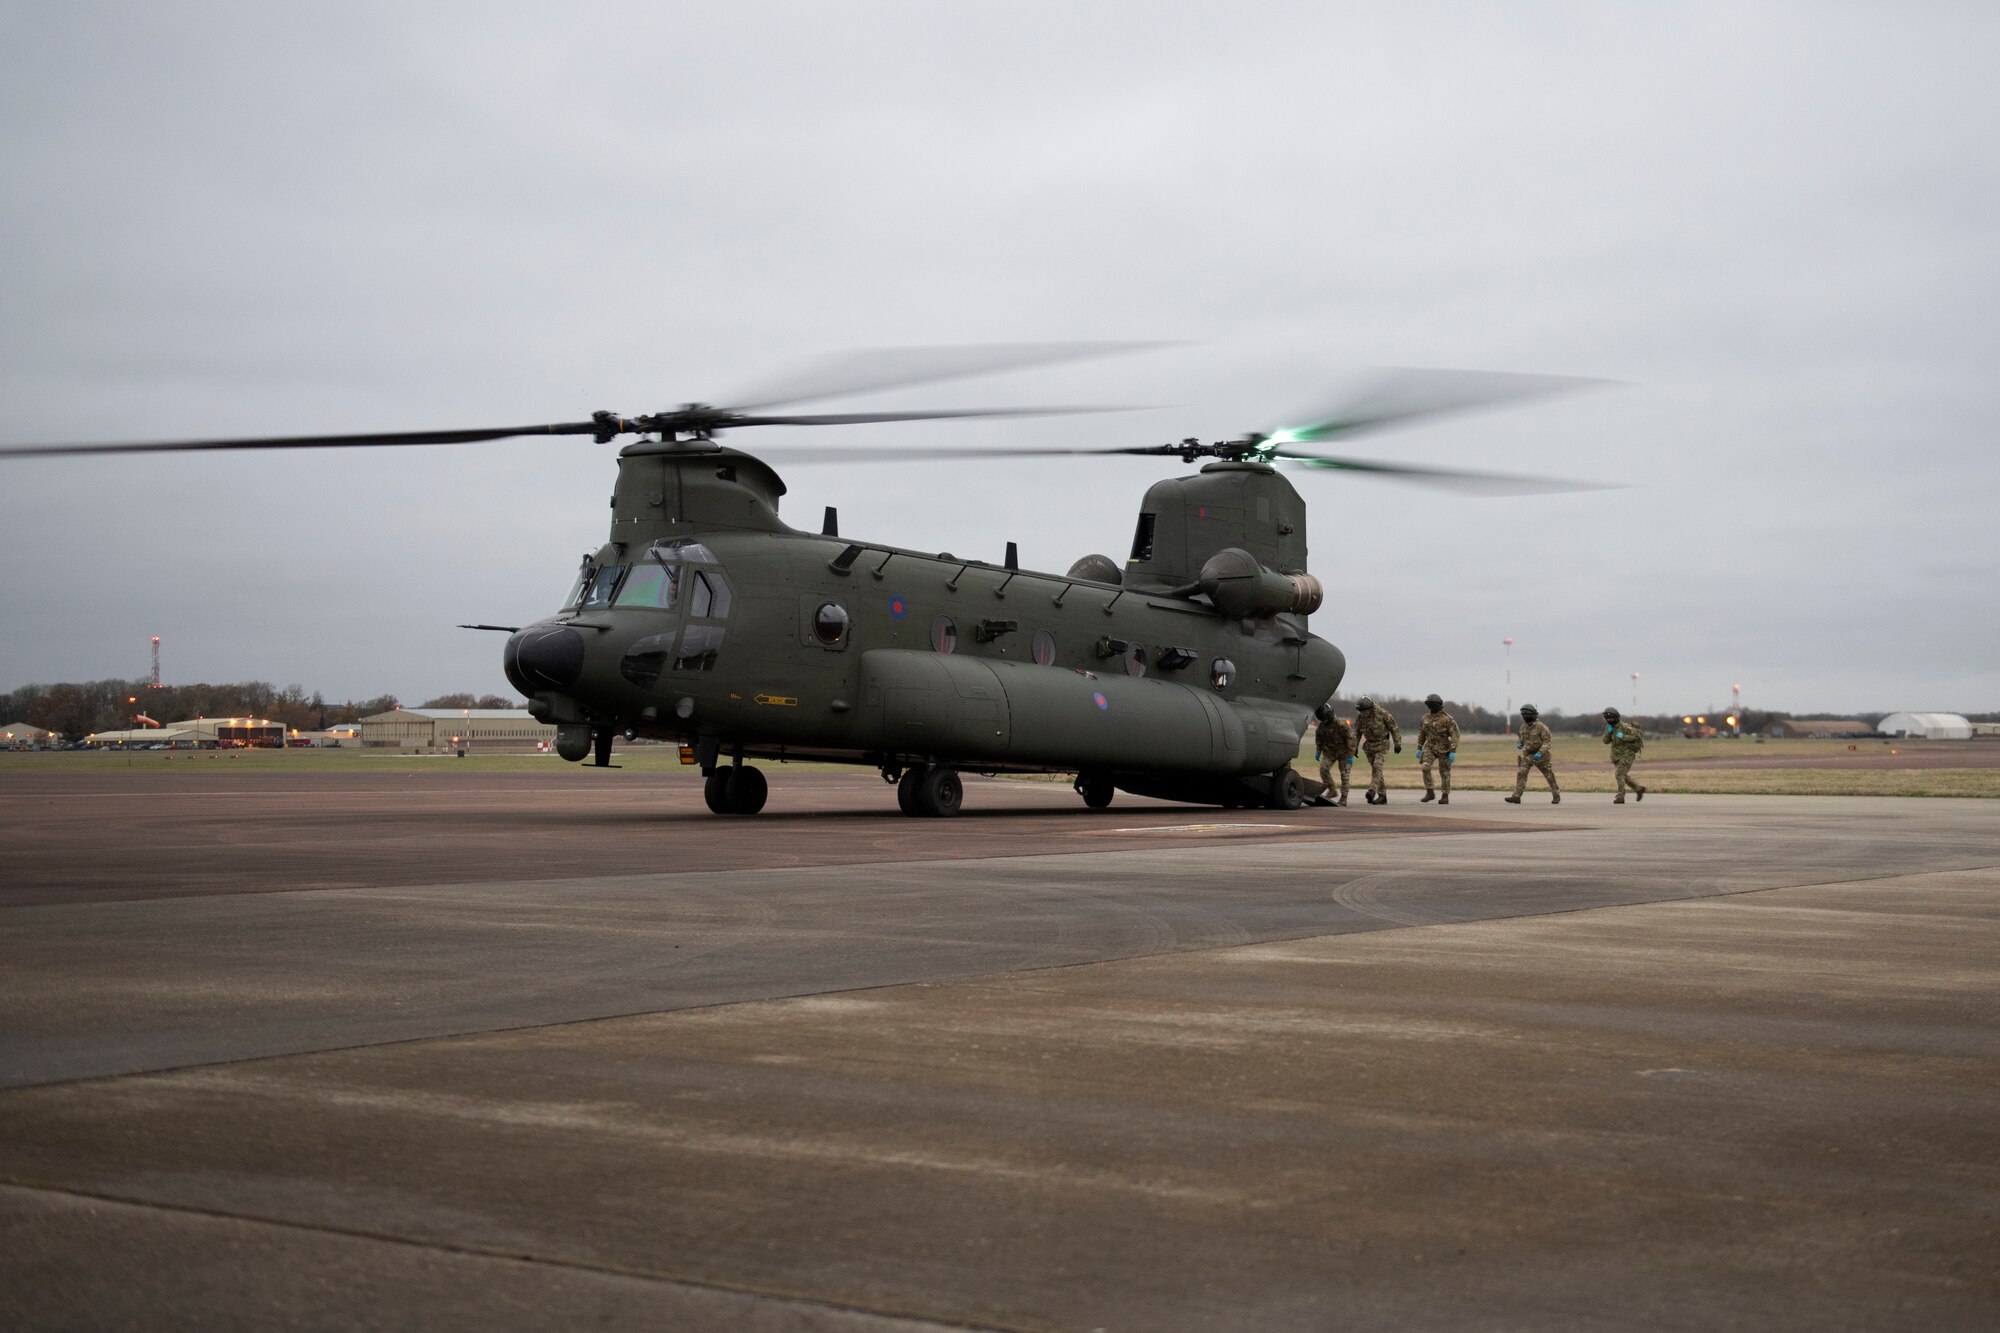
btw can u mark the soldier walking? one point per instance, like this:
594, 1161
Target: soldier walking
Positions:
1376, 730
1333, 741
1625, 740
1437, 744
1536, 744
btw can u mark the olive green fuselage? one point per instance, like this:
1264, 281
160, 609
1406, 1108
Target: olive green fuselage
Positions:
742, 637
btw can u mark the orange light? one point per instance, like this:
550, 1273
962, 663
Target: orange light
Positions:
1730, 720
1702, 720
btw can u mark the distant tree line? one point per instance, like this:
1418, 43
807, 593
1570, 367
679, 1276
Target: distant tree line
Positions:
75, 709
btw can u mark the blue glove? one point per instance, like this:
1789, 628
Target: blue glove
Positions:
1519, 746
1537, 754
1451, 758
1315, 756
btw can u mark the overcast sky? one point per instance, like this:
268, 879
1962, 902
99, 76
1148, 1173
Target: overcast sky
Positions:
1778, 224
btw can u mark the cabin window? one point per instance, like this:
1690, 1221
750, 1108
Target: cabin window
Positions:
1222, 672
1142, 540
830, 624
944, 634
699, 646
1135, 660
651, 584
709, 594
1045, 648
603, 585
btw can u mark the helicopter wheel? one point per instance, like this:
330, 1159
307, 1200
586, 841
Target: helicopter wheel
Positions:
735, 791
1096, 790
906, 789
939, 792
1288, 790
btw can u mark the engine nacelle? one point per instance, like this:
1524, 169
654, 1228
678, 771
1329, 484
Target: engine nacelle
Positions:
1241, 587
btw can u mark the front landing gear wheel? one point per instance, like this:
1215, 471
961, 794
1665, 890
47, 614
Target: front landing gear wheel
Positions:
1096, 789
735, 791
939, 792
747, 790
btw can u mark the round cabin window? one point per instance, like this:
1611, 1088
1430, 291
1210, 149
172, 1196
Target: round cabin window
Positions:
1135, 660
1222, 672
944, 634
1045, 648
830, 624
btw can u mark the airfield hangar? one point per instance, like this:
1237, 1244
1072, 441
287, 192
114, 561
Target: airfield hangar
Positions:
449, 728
1926, 726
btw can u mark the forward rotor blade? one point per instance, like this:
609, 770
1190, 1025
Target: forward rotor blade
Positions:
864, 418
1399, 394
869, 453
387, 439
844, 373
1452, 479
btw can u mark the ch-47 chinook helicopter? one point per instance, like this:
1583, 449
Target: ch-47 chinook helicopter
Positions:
1188, 673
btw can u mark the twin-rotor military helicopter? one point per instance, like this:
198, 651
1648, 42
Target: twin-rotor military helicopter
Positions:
1187, 673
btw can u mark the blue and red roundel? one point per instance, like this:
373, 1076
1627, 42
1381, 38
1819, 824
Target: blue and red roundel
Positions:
898, 608
1102, 702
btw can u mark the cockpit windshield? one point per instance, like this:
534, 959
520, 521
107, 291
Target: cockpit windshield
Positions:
652, 584
602, 586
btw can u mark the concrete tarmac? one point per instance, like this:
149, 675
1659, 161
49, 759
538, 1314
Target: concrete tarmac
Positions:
470, 1052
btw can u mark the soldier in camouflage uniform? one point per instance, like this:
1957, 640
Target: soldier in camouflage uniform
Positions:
1334, 742
1437, 744
1625, 740
1535, 747
1376, 731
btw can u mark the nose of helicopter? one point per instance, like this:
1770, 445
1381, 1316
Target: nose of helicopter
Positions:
543, 657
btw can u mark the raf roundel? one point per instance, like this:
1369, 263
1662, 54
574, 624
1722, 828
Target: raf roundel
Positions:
1102, 702
898, 608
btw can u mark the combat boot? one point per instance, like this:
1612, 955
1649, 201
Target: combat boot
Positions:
1429, 795
1555, 798
1512, 800
1383, 799
1445, 799
1618, 800
1642, 793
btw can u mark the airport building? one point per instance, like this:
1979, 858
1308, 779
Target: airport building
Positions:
455, 728
202, 733
1927, 726
26, 736
1819, 728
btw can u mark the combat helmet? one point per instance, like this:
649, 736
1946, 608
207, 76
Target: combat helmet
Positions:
1610, 715
1434, 703
1324, 712
1364, 704
1530, 712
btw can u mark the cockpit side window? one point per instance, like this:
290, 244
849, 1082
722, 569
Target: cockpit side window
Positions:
708, 597
576, 589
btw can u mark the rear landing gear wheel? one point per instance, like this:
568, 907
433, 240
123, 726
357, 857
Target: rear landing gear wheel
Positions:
1096, 789
1288, 790
906, 789
715, 790
939, 792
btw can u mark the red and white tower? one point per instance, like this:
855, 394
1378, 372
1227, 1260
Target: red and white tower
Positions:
154, 683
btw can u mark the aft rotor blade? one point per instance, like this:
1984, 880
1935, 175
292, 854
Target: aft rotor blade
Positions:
865, 369
1471, 483
386, 439
1398, 394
